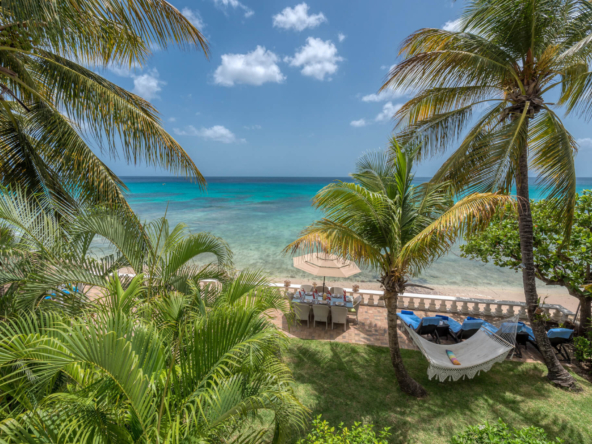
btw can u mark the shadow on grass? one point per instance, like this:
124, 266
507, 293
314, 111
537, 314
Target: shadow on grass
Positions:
347, 383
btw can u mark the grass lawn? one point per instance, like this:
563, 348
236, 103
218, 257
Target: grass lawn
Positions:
347, 383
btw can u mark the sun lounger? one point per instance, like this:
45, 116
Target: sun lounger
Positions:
422, 326
557, 336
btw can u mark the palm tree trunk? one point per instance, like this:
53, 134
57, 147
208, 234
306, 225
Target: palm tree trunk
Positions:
407, 384
585, 314
557, 374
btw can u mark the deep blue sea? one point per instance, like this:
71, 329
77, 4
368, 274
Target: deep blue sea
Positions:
258, 217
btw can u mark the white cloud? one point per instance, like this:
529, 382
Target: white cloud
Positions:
585, 142
388, 111
297, 18
317, 58
172, 119
341, 37
255, 68
123, 71
194, 17
217, 133
452, 25
384, 95
234, 4
358, 123
252, 127
148, 85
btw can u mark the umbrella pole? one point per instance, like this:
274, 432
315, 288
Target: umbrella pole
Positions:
323, 284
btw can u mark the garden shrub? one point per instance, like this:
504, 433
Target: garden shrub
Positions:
323, 433
583, 348
500, 433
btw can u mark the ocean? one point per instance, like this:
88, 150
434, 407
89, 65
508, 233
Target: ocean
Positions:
259, 216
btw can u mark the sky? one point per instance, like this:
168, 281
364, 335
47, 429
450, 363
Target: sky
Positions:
290, 88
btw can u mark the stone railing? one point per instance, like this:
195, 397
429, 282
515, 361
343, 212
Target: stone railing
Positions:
452, 304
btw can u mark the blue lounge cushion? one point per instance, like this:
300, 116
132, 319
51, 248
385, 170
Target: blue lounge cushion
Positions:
431, 321
452, 324
411, 320
564, 333
407, 312
472, 324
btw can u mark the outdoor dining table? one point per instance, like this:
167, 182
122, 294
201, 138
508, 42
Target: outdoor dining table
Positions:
336, 301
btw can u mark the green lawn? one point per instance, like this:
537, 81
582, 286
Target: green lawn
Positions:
347, 383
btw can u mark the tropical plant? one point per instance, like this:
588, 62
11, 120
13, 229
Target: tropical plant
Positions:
50, 254
555, 263
385, 222
53, 106
203, 367
497, 73
323, 433
500, 433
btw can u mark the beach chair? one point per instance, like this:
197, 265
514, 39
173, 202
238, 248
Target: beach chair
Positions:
421, 326
339, 316
302, 312
321, 314
558, 337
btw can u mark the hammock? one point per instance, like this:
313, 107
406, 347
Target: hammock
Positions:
476, 354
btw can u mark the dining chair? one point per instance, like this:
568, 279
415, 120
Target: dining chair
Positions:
306, 288
302, 312
319, 289
356, 309
337, 291
321, 314
339, 316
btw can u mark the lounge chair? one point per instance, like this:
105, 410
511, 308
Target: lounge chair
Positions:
339, 316
557, 336
425, 326
302, 312
469, 327
356, 309
321, 314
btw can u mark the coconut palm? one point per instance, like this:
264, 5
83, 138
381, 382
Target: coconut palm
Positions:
488, 86
48, 253
384, 222
115, 375
54, 107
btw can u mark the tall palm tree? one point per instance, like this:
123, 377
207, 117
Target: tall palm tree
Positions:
385, 222
55, 111
181, 374
46, 252
487, 86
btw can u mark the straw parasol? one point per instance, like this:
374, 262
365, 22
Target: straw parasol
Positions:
326, 265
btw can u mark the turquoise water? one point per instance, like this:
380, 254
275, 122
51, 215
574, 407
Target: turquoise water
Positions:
258, 217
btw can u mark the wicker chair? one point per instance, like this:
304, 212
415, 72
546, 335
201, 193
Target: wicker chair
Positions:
306, 288
302, 312
356, 309
321, 314
339, 316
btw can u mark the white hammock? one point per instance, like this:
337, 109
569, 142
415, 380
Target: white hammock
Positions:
476, 354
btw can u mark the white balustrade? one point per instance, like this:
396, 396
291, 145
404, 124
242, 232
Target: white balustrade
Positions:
449, 304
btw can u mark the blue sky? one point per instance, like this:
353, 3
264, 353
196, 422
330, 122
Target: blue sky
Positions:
290, 88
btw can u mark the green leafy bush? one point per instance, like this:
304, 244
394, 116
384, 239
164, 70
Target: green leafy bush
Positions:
583, 348
323, 433
500, 433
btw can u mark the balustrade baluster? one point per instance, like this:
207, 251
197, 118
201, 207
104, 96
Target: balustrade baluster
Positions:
411, 304
475, 310
443, 307
453, 308
421, 305
498, 310
487, 310
522, 313
465, 308
432, 306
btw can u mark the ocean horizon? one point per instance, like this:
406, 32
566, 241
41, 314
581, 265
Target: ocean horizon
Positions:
259, 216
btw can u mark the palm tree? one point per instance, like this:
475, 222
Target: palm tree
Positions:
385, 222
496, 73
181, 374
54, 108
47, 252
